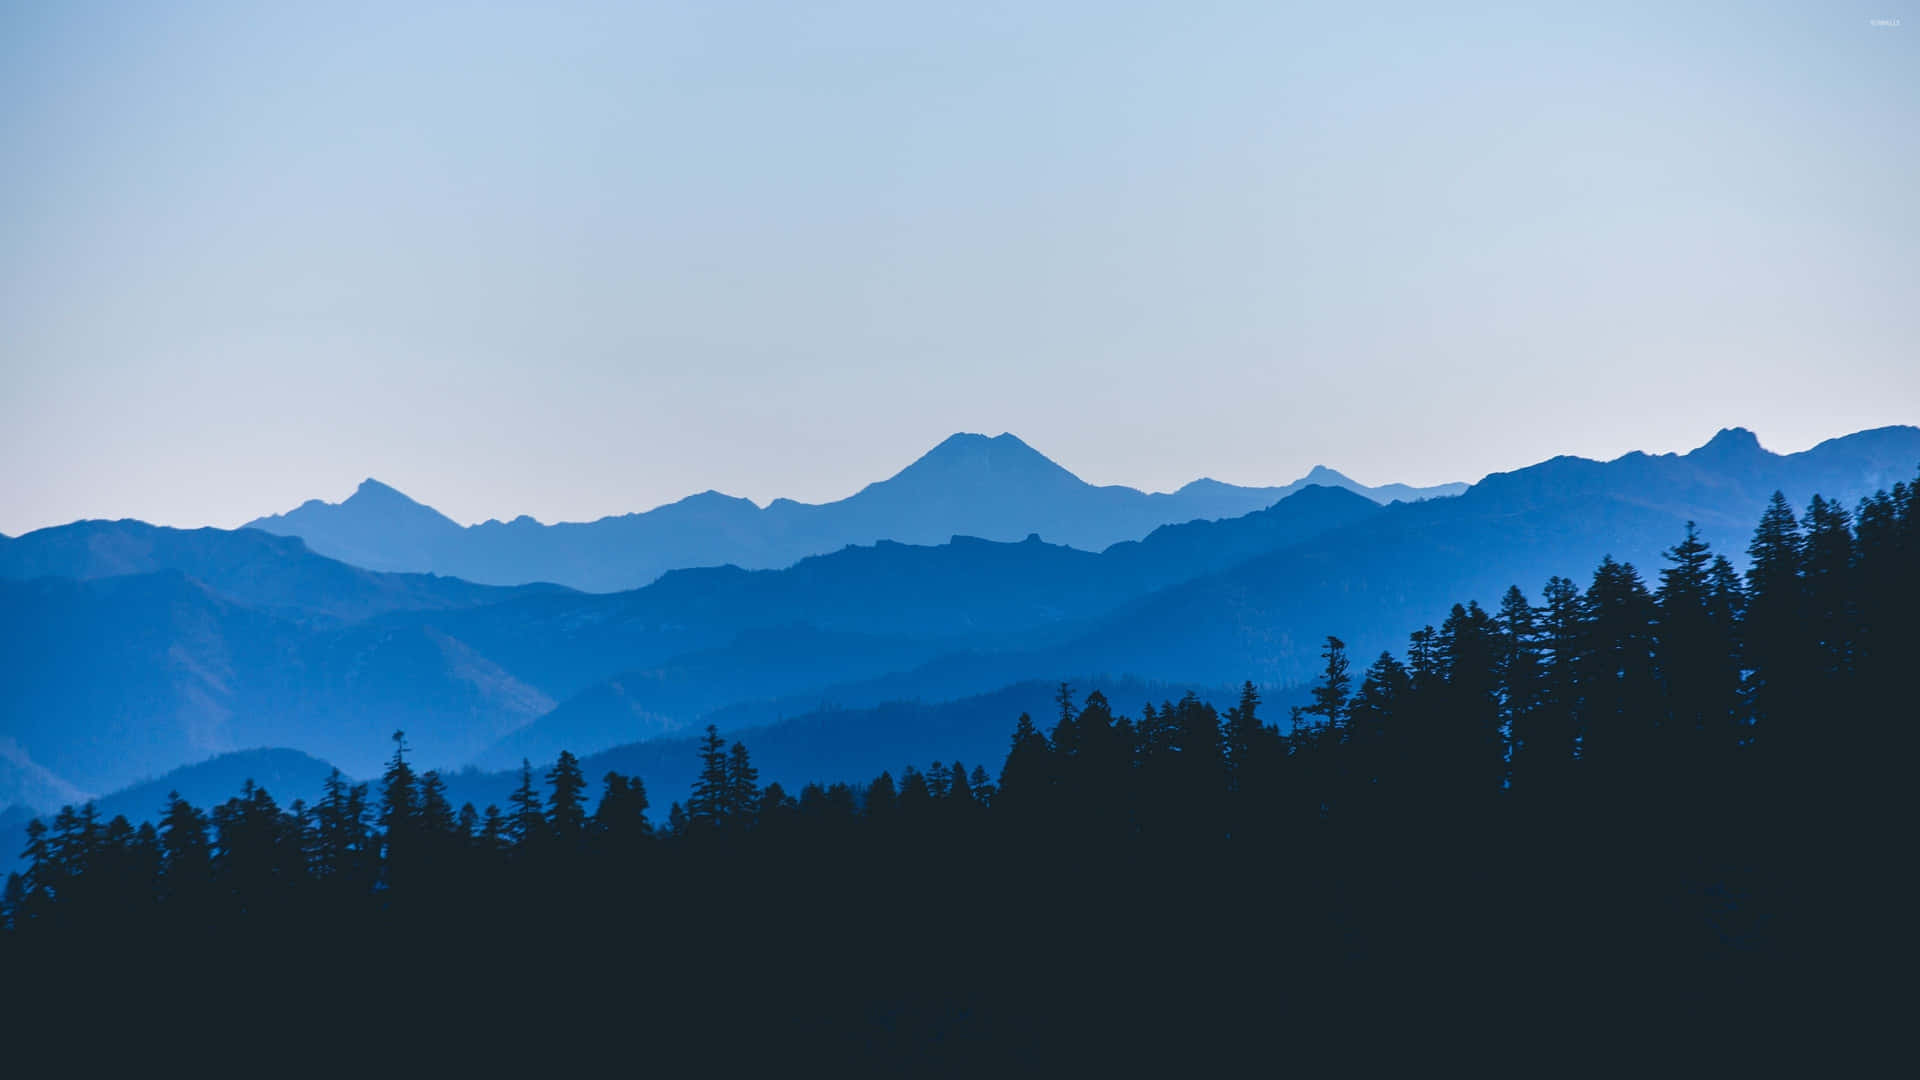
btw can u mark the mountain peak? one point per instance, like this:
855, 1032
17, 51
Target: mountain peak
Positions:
360, 528
1732, 441
371, 490
1326, 477
970, 442
970, 451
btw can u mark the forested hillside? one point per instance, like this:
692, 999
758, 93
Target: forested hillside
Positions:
1666, 793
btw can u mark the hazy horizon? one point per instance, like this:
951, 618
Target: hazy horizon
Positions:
592, 259
426, 498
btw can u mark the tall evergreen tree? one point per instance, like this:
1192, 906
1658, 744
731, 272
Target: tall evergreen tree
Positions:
741, 798
526, 820
882, 800
622, 814
707, 805
1522, 668
1622, 705
566, 815
1775, 634
1372, 719
186, 856
982, 787
1697, 657
1828, 562
1550, 739
436, 813
1026, 777
399, 810
1463, 740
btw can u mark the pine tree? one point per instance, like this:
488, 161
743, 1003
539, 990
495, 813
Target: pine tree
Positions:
776, 810
1828, 562
1776, 633
526, 822
1550, 741
622, 814
742, 790
1194, 772
1423, 659
707, 804
1026, 776
882, 800
840, 802
1696, 657
915, 799
959, 790
1063, 721
436, 813
340, 829
399, 812
982, 787
186, 857
1329, 706
1521, 666
494, 829
1463, 740
1622, 702
1371, 718
1243, 736
40, 880
566, 816
14, 904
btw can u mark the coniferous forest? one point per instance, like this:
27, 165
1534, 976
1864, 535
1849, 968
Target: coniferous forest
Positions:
1663, 807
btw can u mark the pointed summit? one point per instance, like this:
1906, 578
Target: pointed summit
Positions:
373, 491
1326, 477
1731, 442
377, 527
1002, 457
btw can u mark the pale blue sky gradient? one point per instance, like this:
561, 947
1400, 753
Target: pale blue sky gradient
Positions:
590, 258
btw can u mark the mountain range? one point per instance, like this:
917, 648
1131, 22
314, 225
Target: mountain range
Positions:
969, 485
135, 650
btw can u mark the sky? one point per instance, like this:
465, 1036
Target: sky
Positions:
578, 259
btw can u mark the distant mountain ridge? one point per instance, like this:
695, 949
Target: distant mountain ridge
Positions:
277, 574
1373, 581
221, 640
134, 650
995, 488
1260, 610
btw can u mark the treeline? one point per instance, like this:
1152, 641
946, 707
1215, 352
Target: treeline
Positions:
1684, 790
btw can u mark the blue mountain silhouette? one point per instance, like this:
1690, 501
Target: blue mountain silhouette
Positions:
134, 650
995, 488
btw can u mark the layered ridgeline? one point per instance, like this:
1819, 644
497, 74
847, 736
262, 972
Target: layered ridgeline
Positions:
970, 485
1666, 796
133, 649
127, 676
122, 678
1260, 606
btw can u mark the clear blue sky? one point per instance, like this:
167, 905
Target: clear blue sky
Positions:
588, 258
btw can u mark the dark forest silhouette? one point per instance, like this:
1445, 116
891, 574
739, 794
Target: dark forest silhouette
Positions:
1678, 800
